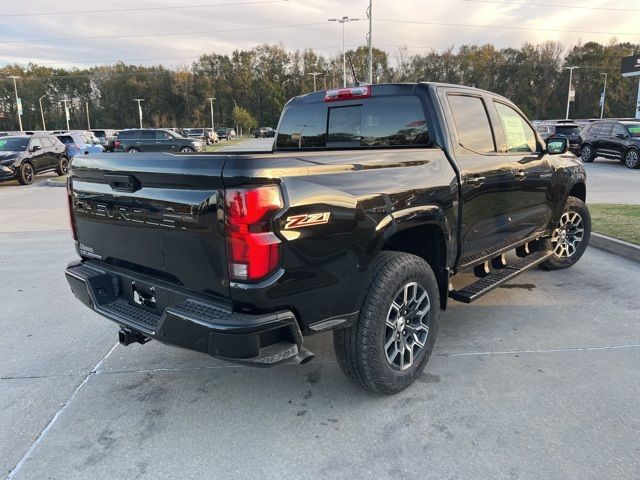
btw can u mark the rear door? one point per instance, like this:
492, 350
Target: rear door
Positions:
603, 142
158, 215
39, 158
147, 141
487, 180
532, 208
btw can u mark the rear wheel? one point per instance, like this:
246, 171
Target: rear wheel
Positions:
133, 150
63, 167
587, 154
26, 174
571, 237
389, 345
632, 158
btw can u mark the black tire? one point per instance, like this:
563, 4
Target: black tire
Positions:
632, 158
587, 154
133, 150
363, 349
187, 150
26, 174
565, 257
63, 167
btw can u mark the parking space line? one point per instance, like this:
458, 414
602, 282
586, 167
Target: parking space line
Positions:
44, 432
549, 350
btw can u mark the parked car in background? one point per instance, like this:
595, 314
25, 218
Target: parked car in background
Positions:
80, 143
225, 133
264, 132
24, 156
138, 140
213, 136
199, 133
107, 138
563, 129
614, 139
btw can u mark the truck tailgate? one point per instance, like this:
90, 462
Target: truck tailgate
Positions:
157, 214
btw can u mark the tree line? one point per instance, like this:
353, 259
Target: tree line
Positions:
253, 85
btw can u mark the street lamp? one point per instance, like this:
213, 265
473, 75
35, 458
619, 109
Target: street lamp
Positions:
604, 94
370, 40
344, 20
44, 126
66, 112
18, 102
314, 74
569, 95
211, 99
139, 108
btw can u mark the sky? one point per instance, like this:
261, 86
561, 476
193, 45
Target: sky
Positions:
68, 33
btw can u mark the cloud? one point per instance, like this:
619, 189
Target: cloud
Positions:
170, 38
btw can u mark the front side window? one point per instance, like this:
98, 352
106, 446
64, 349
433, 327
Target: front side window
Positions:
472, 123
12, 144
619, 130
518, 134
35, 142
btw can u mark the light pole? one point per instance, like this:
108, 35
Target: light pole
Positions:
18, 102
314, 74
344, 20
211, 99
235, 105
44, 125
86, 104
571, 69
139, 108
370, 40
604, 95
66, 112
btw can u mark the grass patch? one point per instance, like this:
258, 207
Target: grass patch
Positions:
618, 221
223, 144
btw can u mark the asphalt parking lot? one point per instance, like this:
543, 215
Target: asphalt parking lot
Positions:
539, 379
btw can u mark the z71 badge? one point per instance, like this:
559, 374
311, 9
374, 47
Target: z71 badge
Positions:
307, 220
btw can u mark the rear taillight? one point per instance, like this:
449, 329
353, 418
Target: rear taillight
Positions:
347, 93
117, 144
253, 249
72, 220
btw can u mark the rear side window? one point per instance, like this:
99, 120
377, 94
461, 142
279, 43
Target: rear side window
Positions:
148, 135
377, 122
129, 134
66, 139
472, 123
606, 130
594, 129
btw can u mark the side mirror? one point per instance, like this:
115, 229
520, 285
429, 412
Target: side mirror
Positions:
557, 146
35, 148
621, 136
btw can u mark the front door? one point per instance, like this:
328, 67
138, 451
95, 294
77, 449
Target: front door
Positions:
39, 156
487, 180
533, 208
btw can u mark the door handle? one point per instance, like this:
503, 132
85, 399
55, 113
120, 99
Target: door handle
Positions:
475, 180
520, 174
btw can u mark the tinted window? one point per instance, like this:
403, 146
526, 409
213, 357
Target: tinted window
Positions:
594, 129
542, 129
303, 126
35, 142
129, 134
606, 130
472, 123
99, 133
377, 122
162, 135
197, 131
567, 130
66, 139
46, 143
148, 135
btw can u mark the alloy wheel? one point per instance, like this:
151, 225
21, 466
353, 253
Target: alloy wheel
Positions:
569, 234
64, 166
407, 326
631, 159
586, 154
27, 173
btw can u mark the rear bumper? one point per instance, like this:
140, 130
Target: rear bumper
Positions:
187, 322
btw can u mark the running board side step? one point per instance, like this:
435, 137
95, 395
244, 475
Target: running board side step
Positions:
483, 286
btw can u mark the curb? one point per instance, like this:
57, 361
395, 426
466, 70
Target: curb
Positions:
615, 246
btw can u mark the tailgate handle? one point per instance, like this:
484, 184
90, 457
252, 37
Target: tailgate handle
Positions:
122, 183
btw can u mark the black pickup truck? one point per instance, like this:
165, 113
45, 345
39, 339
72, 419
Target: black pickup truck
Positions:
373, 198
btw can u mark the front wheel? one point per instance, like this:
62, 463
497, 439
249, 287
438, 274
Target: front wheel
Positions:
571, 237
186, 150
133, 150
389, 345
632, 159
26, 174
